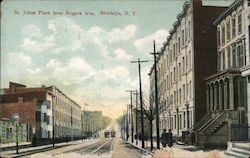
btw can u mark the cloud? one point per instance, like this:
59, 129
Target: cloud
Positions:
74, 71
38, 46
19, 58
121, 54
32, 31
145, 44
68, 35
124, 34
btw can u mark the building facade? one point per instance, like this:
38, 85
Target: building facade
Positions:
227, 116
46, 108
33, 106
67, 114
189, 50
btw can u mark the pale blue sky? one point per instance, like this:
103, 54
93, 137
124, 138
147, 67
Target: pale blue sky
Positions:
87, 57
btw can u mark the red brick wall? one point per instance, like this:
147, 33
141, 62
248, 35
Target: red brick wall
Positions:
26, 111
205, 50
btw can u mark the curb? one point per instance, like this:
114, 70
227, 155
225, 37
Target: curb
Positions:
149, 152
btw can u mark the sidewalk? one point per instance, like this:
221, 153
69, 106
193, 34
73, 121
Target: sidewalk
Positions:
180, 151
8, 145
44, 148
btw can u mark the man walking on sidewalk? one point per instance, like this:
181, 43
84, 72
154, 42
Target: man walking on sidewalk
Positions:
170, 138
164, 138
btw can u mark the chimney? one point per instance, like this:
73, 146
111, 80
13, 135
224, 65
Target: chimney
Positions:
43, 88
20, 99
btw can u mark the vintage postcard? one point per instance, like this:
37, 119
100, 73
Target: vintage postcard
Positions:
125, 78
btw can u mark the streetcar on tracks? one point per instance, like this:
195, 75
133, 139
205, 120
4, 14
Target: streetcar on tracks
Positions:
107, 134
112, 133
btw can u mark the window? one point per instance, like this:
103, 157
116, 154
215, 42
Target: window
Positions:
167, 61
233, 26
38, 116
171, 78
167, 82
174, 98
240, 54
44, 117
184, 119
189, 29
179, 44
183, 38
174, 74
171, 56
180, 122
229, 57
218, 36
239, 24
190, 89
234, 56
174, 121
223, 60
228, 30
180, 96
179, 70
183, 65
219, 61
174, 51
223, 34
184, 95
190, 58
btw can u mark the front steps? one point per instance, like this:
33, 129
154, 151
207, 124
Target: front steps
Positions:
240, 150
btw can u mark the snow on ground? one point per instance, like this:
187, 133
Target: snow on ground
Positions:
179, 153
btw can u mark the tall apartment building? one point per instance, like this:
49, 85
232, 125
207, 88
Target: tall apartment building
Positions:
188, 56
227, 104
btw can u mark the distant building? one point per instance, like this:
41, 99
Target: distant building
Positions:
188, 56
92, 122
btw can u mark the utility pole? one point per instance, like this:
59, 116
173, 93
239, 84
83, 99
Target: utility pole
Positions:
127, 122
131, 115
142, 115
136, 117
156, 101
53, 120
71, 124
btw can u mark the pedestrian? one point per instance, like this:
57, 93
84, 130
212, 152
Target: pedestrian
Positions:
170, 138
164, 138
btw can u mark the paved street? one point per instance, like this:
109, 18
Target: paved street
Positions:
103, 147
125, 150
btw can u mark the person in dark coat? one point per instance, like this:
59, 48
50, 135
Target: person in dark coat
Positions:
164, 138
170, 138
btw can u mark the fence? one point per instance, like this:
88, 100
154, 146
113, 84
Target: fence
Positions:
8, 132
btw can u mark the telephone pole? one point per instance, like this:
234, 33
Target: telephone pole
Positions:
142, 115
156, 100
131, 115
136, 117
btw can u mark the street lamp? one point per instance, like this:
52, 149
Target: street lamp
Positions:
15, 118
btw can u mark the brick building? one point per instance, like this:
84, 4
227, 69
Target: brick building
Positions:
187, 57
33, 107
37, 105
